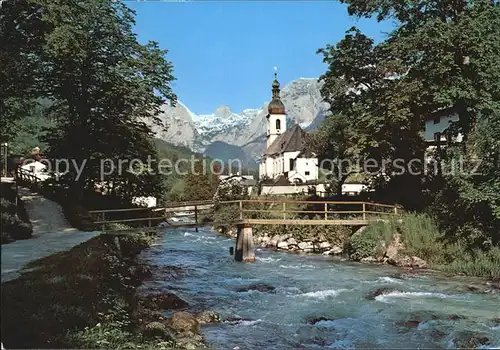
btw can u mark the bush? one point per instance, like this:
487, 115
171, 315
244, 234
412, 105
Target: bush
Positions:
14, 221
421, 236
370, 241
361, 246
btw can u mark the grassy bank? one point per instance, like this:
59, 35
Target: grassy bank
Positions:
83, 298
421, 237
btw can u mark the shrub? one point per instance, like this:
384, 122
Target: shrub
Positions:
362, 245
421, 236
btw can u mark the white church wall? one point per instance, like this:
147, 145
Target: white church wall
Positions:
287, 156
308, 167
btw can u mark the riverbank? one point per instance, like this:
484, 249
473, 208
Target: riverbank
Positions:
87, 298
412, 241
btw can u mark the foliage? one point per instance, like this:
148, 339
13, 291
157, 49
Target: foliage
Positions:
230, 190
80, 298
459, 258
201, 183
104, 85
421, 236
362, 246
441, 57
467, 204
14, 221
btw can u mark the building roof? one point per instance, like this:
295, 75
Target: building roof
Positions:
291, 140
276, 106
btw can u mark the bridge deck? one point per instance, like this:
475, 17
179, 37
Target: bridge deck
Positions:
251, 212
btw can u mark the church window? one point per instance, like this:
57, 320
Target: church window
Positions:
307, 173
278, 124
291, 165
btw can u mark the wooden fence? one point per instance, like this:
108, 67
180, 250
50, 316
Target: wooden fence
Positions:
257, 212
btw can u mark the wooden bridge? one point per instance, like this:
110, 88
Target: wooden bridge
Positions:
244, 214
252, 212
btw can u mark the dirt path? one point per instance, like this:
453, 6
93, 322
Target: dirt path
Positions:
51, 234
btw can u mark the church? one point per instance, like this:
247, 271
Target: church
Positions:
286, 158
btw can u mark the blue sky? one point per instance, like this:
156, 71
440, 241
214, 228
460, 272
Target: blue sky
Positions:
224, 53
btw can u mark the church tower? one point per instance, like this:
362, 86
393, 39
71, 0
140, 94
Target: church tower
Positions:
276, 118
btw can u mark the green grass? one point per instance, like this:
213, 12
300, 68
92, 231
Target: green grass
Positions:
83, 298
421, 237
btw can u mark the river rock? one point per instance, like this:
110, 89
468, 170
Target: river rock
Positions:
207, 317
274, 241
165, 301
369, 260
336, 250
377, 292
394, 247
418, 263
182, 322
306, 246
261, 287
324, 246
265, 239
400, 261
282, 245
314, 320
470, 340
400, 276
291, 241
408, 324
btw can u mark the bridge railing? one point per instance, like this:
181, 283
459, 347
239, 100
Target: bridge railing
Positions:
310, 210
254, 211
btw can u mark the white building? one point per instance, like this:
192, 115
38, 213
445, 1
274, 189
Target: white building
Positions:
437, 124
286, 155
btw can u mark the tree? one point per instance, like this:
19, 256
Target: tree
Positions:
442, 55
201, 182
361, 87
104, 84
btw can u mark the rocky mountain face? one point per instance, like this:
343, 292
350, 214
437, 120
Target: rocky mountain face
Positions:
245, 130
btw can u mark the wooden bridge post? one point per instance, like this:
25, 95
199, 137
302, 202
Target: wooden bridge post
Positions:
284, 210
241, 210
103, 219
245, 251
196, 218
364, 211
395, 210
326, 211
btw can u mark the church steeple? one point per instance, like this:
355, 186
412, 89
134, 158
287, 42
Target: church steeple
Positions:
276, 119
276, 87
276, 106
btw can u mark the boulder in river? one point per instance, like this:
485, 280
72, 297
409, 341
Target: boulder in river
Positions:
261, 287
316, 319
408, 324
377, 292
183, 322
165, 301
470, 340
207, 317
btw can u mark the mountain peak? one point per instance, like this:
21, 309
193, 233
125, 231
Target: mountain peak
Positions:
223, 112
